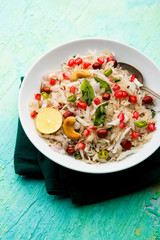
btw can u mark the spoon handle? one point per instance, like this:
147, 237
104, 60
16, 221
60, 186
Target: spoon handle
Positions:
147, 89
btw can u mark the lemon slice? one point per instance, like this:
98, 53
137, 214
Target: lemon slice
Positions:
48, 120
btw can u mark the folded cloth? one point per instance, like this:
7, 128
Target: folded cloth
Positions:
82, 188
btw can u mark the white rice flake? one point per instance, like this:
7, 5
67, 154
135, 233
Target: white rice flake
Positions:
126, 153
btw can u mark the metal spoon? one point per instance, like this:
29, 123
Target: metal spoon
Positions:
133, 70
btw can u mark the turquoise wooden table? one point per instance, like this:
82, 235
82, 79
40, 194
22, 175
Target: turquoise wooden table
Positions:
29, 29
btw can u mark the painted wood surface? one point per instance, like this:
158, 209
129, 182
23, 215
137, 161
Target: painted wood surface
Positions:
27, 30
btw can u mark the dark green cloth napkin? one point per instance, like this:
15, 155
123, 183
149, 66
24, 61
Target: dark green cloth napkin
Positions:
82, 188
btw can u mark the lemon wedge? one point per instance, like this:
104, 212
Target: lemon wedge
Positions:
48, 120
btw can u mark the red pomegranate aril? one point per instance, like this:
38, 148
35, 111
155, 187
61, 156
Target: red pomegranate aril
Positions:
82, 105
102, 133
133, 99
97, 65
93, 128
65, 76
136, 115
71, 62
72, 89
68, 114
116, 88
118, 94
86, 133
38, 97
100, 60
78, 61
81, 145
114, 63
121, 117
110, 58
133, 77
127, 145
125, 94
135, 134
147, 100
97, 101
122, 125
151, 127
106, 96
33, 114
52, 81
70, 150
86, 65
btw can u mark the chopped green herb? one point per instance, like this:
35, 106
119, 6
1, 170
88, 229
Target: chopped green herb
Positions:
117, 80
108, 72
103, 84
74, 56
72, 98
141, 124
87, 92
128, 86
100, 114
45, 95
82, 117
77, 156
103, 154
153, 113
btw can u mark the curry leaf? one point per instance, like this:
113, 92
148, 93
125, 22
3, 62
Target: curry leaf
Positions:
87, 92
100, 114
103, 84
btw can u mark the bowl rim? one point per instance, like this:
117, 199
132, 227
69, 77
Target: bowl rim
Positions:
62, 45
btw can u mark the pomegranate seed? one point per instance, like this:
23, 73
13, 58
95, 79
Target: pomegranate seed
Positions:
93, 128
52, 81
102, 133
114, 63
72, 89
147, 100
135, 134
33, 114
118, 94
100, 60
38, 97
116, 88
136, 115
86, 64
97, 65
68, 114
81, 145
122, 125
70, 150
86, 133
133, 99
127, 145
125, 94
78, 61
133, 77
121, 117
97, 101
106, 96
71, 62
151, 127
65, 76
111, 58
82, 105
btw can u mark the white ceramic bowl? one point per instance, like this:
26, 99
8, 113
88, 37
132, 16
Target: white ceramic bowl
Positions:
52, 60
